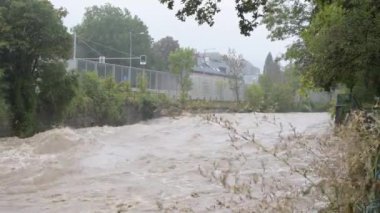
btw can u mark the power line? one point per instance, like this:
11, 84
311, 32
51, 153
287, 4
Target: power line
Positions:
108, 47
93, 49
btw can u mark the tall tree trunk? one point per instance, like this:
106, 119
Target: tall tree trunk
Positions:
237, 92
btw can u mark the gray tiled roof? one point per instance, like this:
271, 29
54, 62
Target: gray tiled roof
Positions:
214, 64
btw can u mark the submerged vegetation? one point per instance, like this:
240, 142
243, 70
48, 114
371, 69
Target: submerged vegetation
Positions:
340, 168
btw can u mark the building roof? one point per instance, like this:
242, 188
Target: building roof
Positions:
213, 63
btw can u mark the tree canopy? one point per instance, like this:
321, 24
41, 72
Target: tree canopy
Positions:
181, 63
108, 31
344, 45
272, 69
248, 12
337, 41
32, 34
161, 50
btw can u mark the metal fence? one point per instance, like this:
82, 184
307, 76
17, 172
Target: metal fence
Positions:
157, 80
204, 86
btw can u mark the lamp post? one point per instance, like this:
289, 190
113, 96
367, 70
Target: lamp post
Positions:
130, 53
131, 45
75, 46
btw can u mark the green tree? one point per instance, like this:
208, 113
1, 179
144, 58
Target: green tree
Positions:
248, 12
181, 63
267, 87
108, 31
338, 44
283, 97
236, 66
255, 97
292, 77
272, 69
102, 100
3, 105
146, 103
338, 40
32, 32
56, 88
277, 96
142, 83
161, 51
287, 18
352, 57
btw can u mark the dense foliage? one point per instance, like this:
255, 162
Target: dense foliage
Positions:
109, 31
98, 99
344, 44
204, 11
272, 69
3, 105
26, 42
104, 102
36, 90
337, 42
56, 89
161, 50
254, 95
283, 92
181, 63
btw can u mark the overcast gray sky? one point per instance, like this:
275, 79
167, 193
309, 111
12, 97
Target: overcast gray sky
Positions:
162, 22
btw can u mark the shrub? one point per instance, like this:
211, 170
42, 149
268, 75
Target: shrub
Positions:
283, 96
356, 184
57, 88
103, 100
4, 114
3, 110
147, 106
255, 97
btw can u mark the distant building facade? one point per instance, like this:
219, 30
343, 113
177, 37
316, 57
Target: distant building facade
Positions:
211, 76
214, 63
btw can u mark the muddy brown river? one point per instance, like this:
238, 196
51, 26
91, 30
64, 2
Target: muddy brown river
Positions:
182, 164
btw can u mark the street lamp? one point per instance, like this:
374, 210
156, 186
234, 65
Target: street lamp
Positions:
130, 53
130, 47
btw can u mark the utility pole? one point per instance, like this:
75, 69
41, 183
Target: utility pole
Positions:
75, 46
130, 53
130, 57
130, 48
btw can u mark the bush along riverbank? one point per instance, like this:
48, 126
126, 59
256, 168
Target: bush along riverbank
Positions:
84, 100
350, 178
87, 100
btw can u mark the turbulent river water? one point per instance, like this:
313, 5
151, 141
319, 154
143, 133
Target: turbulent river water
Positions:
182, 164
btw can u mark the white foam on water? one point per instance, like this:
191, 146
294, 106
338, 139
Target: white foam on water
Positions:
168, 162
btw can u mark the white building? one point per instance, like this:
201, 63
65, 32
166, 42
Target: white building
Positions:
214, 63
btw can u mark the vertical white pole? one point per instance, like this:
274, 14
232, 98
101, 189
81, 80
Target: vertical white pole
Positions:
114, 73
156, 79
130, 57
75, 46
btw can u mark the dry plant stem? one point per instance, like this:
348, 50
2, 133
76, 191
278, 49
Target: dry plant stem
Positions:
235, 135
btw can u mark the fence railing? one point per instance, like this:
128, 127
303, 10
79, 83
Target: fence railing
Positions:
204, 86
157, 80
